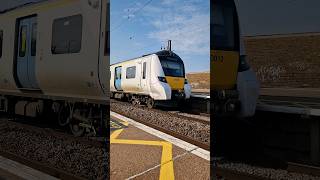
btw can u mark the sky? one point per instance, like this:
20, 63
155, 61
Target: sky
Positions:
265, 17
140, 27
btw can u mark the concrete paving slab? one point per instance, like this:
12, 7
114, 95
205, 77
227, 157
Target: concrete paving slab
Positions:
136, 154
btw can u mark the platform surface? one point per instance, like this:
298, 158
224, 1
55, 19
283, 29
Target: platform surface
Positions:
11, 170
291, 92
137, 154
302, 101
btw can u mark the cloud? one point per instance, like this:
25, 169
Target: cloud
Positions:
185, 23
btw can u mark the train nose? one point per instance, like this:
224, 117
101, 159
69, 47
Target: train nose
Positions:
176, 83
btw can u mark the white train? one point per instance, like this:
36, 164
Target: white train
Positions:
156, 78
234, 85
54, 60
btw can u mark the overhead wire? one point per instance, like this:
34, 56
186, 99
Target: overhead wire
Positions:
134, 13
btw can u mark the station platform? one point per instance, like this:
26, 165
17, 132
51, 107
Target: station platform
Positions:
141, 152
291, 92
11, 170
302, 101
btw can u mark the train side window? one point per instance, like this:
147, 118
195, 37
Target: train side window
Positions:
118, 72
131, 72
34, 40
107, 32
144, 70
67, 35
23, 41
1, 42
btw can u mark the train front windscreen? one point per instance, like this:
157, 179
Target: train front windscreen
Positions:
224, 44
173, 69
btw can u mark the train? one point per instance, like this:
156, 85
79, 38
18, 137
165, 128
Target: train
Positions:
155, 79
54, 61
234, 86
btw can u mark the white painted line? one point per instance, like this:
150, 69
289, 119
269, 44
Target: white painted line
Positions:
22, 171
200, 96
175, 141
289, 110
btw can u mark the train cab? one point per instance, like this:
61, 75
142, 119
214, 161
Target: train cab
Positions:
234, 87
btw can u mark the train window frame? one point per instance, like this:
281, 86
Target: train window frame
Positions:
23, 49
107, 32
225, 4
1, 42
34, 31
59, 35
144, 70
131, 72
120, 72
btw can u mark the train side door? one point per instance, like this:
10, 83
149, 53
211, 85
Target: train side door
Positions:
144, 76
118, 77
26, 53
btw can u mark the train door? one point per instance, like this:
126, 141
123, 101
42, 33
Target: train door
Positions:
26, 53
118, 77
104, 61
144, 75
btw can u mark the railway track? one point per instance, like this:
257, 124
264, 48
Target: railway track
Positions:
179, 114
236, 170
142, 117
229, 174
58, 132
58, 173
54, 151
303, 168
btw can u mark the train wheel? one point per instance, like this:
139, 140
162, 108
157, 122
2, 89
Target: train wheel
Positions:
76, 129
135, 101
64, 116
150, 103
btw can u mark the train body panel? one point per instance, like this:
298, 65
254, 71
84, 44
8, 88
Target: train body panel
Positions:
225, 67
66, 50
160, 77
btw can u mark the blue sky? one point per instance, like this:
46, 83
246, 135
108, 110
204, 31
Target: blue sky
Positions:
139, 27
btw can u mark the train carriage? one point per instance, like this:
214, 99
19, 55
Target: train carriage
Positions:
234, 86
55, 58
153, 79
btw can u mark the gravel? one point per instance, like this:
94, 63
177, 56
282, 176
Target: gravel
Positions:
69, 154
194, 130
204, 118
268, 173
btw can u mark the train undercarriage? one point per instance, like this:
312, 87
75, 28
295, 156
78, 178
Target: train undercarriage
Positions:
135, 99
225, 102
81, 118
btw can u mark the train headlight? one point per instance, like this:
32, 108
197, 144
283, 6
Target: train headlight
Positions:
243, 64
186, 81
162, 79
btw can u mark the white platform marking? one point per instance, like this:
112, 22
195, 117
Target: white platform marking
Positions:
178, 142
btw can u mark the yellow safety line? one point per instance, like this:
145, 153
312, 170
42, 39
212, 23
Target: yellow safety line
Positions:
166, 171
115, 134
166, 168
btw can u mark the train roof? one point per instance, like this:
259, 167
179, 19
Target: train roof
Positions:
19, 4
159, 53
